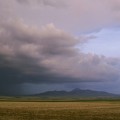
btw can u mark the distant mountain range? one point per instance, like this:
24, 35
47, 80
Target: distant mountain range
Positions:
76, 94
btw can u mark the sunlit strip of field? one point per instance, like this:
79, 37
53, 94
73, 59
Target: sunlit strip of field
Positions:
60, 110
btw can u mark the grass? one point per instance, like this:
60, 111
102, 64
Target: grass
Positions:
99, 110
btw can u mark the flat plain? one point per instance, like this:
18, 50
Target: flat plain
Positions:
93, 110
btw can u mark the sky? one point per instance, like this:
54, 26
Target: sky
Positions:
59, 45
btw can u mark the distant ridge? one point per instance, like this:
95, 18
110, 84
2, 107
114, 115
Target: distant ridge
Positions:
77, 93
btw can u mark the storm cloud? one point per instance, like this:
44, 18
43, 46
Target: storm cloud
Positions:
45, 55
41, 45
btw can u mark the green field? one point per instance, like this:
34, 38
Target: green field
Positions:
99, 110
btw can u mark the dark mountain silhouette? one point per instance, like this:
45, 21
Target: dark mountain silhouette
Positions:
77, 93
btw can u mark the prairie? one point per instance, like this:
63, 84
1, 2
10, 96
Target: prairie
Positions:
96, 110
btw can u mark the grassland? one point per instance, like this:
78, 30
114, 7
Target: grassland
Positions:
99, 110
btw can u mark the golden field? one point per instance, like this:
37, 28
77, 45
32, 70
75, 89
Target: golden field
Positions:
103, 110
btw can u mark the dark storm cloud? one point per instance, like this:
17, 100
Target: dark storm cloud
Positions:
49, 55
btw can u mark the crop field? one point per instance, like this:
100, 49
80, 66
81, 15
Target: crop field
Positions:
99, 110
